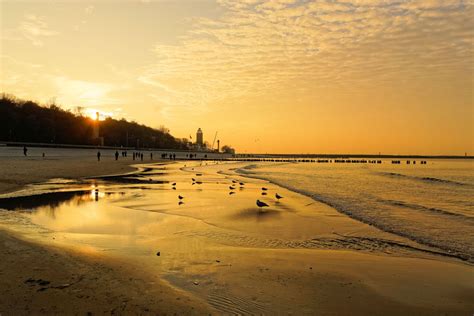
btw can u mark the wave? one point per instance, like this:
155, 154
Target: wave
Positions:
425, 209
370, 215
423, 179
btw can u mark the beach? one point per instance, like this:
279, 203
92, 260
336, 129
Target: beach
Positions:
128, 244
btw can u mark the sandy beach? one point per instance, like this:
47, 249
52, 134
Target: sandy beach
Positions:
16, 173
219, 254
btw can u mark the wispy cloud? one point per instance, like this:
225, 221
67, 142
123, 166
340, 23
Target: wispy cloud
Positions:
35, 29
89, 10
85, 93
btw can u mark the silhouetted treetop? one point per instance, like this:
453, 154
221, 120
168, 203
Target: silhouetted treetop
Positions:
27, 121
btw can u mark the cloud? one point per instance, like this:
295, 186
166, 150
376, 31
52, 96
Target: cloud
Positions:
85, 93
263, 48
35, 29
89, 10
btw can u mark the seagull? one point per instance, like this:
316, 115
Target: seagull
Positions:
264, 189
180, 197
261, 204
278, 196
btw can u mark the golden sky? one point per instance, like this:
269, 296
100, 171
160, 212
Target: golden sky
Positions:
284, 76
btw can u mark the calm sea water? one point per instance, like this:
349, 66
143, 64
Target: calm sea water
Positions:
432, 204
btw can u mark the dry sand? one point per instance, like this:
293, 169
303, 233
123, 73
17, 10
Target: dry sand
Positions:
16, 172
218, 255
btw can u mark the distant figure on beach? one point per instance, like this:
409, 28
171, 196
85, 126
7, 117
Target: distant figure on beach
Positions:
43, 155
98, 156
133, 156
174, 156
116, 155
151, 156
25, 151
141, 156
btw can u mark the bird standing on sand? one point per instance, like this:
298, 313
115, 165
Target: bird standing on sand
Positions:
278, 196
261, 204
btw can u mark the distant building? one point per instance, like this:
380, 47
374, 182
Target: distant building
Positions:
199, 138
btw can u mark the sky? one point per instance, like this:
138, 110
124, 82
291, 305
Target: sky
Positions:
285, 76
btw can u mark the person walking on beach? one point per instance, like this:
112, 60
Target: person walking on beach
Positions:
151, 156
116, 155
98, 156
141, 156
25, 151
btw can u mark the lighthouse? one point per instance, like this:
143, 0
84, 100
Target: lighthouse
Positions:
199, 138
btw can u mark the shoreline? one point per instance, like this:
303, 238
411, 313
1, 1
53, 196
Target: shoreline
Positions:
73, 281
92, 281
435, 250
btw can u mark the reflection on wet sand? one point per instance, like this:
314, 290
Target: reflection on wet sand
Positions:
223, 247
52, 200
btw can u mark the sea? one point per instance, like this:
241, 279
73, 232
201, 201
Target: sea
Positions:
432, 203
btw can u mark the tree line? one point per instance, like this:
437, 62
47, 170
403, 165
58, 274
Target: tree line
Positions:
27, 121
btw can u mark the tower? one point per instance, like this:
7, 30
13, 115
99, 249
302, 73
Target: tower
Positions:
99, 140
95, 130
199, 137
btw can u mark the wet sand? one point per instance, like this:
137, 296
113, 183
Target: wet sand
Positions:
40, 279
77, 282
220, 252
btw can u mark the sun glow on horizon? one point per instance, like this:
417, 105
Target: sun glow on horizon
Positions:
92, 113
